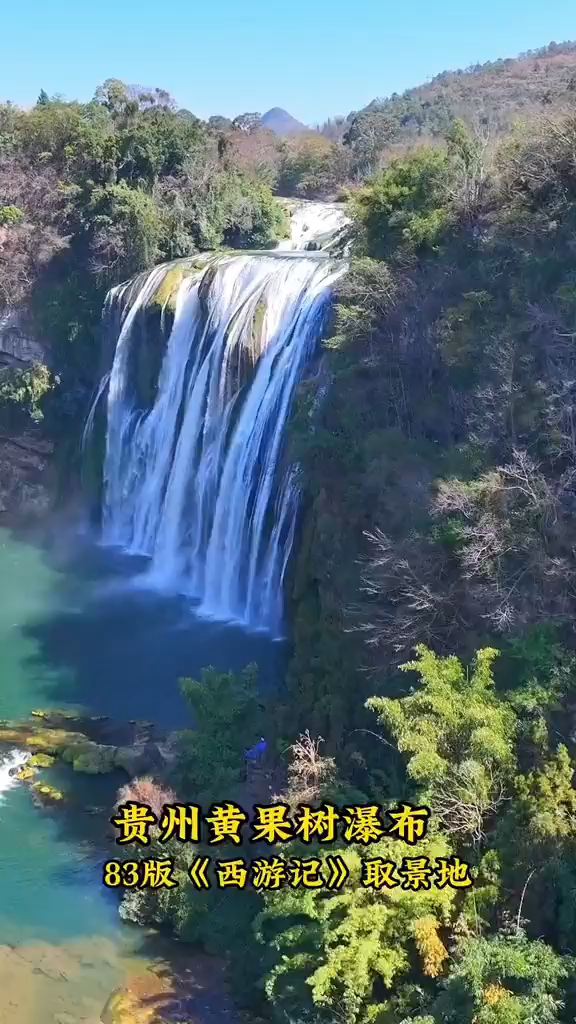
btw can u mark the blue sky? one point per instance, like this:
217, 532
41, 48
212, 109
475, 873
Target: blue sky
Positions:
313, 57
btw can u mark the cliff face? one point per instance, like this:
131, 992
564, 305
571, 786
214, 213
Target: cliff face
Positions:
26, 457
18, 345
25, 479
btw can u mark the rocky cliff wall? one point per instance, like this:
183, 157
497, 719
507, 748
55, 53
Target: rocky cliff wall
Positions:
26, 456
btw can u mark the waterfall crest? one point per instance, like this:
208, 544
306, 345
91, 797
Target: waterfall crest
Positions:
195, 475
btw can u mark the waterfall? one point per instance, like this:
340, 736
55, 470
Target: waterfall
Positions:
314, 225
195, 470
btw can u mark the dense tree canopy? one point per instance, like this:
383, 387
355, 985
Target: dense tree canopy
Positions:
92, 193
439, 496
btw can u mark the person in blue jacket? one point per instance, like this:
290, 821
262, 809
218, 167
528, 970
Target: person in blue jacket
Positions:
256, 754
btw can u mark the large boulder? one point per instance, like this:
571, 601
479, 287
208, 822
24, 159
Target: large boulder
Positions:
89, 757
140, 759
18, 345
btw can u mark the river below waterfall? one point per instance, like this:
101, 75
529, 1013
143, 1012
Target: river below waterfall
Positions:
76, 631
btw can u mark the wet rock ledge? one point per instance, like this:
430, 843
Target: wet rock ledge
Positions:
93, 745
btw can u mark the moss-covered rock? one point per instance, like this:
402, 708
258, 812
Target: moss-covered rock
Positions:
38, 739
167, 292
48, 793
152, 328
46, 742
26, 773
258, 329
49, 741
41, 761
10, 734
50, 714
138, 759
89, 757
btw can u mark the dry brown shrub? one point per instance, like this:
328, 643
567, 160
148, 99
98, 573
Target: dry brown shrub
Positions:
145, 790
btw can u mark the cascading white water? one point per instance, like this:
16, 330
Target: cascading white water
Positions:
316, 225
195, 476
9, 764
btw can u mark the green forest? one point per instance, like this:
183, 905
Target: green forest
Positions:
433, 593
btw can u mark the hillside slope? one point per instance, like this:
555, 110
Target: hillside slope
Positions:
494, 94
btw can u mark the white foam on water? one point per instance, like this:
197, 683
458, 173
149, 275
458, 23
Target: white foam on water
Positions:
314, 225
14, 759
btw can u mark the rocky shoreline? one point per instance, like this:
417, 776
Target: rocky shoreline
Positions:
166, 982
91, 744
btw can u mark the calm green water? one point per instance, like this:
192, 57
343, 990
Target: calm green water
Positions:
74, 631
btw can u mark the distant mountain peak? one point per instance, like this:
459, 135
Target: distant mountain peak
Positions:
282, 123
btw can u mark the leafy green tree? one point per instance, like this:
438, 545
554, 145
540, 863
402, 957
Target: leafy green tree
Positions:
114, 95
46, 132
155, 144
548, 798
10, 215
537, 840
312, 167
219, 123
453, 717
223, 208
502, 980
23, 391
338, 954
406, 206
127, 231
228, 718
